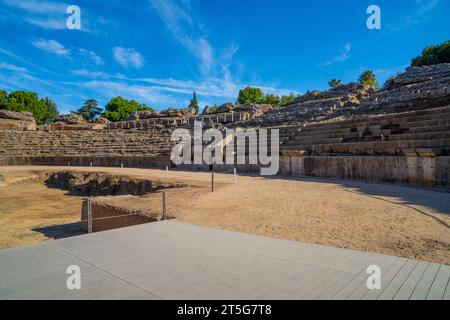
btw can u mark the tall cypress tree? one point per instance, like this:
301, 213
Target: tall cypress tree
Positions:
194, 103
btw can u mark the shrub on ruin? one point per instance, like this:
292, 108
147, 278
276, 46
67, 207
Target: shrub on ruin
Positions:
289, 98
43, 109
333, 83
368, 78
120, 109
433, 55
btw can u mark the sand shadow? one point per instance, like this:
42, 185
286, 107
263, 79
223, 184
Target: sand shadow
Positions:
434, 199
61, 231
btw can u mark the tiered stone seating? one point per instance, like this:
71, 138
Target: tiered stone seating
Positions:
85, 143
395, 134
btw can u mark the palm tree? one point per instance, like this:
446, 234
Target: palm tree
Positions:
368, 78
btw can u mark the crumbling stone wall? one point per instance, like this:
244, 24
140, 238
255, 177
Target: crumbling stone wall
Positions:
17, 120
417, 88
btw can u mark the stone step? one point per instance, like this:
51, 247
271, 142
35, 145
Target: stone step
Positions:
373, 147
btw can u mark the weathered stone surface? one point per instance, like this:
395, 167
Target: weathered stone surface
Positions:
418, 75
169, 113
17, 120
99, 184
177, 113
423, 87
22, 116
254, 109
71, 118
315, 106
352, 90
100, 120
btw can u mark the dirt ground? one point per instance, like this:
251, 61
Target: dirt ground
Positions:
28, 210
390, 219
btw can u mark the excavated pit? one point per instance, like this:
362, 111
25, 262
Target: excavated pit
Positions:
100, 184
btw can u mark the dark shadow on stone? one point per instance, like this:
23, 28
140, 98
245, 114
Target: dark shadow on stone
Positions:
61, 231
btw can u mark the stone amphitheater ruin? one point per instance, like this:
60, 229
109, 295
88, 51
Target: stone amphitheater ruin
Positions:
399, 134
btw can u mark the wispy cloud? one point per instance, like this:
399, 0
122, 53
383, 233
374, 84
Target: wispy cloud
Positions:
342, 56
49, 15
51, 46
37, 6
89, 74
128, 57
47, 23
419, 15
429, 6
179, 22
12, 67
95, 58
225, 89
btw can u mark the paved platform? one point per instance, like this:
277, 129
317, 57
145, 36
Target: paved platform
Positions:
172, 260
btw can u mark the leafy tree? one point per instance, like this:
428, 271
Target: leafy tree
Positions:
119, 109
433, 55
250, 95
43, 110
368, 78
90, 110
50, 110
3, 95
272, 99
212, 109
334, 83
287, 99
194, 103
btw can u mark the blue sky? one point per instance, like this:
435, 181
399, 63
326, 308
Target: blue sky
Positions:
158, 51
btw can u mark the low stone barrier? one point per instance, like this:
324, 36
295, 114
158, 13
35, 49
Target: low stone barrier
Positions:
410, 170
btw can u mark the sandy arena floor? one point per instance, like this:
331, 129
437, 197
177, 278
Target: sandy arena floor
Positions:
390, 219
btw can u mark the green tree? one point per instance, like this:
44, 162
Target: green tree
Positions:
90, 110
250, 95
287, 99
43, 110
212, 108
50, 110
272, 99
3, 95
368, 78
334, 83
194, 103
119, 109
433, 55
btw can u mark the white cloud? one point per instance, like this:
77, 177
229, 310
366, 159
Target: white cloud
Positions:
37, 6
49, 15
225, 89
89, 74
48, 23
91, 55
128, 57
145, 94
11, 67
343, 56
51, 46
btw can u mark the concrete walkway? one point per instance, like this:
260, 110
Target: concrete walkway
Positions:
172, 260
